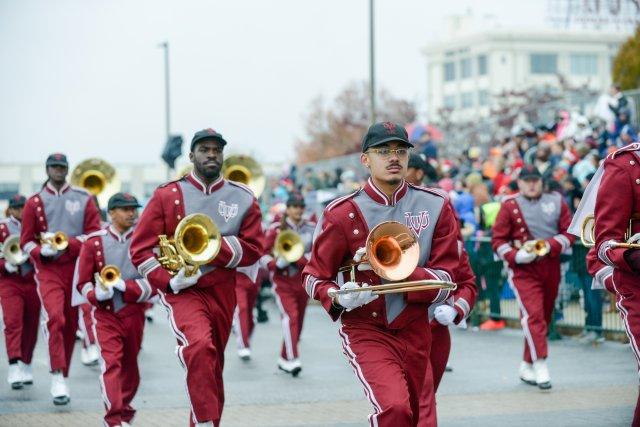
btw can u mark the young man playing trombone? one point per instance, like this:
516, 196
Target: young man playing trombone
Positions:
199, 301
107, 279
19, 298
386, 338
55, 222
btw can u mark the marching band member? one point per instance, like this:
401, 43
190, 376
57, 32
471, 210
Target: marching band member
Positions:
386, 338
290, 295
118, 308
20, 303
524, 220
616, 213
201, 306
57, 207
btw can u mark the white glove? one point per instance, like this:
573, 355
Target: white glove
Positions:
281, 262
355, 299
524, 257
634, 239
445, 314
47, 250
120, 285
101, 294
357, 257
180, 282
11, 268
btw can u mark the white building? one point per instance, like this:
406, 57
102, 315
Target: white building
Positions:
465, 71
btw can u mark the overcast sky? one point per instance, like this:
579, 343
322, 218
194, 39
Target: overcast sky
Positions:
86, 77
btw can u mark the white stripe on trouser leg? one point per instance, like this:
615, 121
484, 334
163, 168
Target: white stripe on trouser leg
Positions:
624, 314
182, 339
44, 316
368, 391
103, 365
83, 327
237, 327
525, 317
286, 326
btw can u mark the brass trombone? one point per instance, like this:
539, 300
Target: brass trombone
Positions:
196, 241
11, 251
59, 241
245, 170
98, 177
588, 234
289, 246
109, 276
393, 252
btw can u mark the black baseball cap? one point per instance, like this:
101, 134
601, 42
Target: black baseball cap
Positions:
57, 159
17, 201
529, 172
295, 199
417, 162
383, 132
122, 200
207, 135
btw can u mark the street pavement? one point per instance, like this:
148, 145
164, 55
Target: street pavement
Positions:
592, 386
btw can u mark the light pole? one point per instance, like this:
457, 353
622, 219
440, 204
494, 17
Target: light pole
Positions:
167, 106
372, 63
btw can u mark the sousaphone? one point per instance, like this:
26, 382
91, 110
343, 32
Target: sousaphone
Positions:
245, 170
98, 177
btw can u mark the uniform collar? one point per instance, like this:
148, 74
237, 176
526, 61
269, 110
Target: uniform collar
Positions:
378, 195
293, 224
14, 220
197, 182
120, 237
51, 189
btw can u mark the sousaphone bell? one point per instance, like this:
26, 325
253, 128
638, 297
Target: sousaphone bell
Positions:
245, 170
98, 177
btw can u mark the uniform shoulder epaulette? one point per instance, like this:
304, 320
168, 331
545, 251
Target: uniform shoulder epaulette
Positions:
510, 197
173, 181
80, 190
628, 149
241, 185
97, 233
436, 191
340, 200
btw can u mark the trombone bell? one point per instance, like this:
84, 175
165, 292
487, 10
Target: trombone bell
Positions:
289, 246
392, 250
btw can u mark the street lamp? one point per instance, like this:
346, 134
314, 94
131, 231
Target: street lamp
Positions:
372, 64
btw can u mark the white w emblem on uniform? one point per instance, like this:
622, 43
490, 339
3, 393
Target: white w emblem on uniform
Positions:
227, 211
73, 207
548, 208
417, 222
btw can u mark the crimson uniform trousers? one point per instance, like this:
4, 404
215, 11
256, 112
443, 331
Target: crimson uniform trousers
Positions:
292, 300
246, 295
84, 323
438, 357
391, 365
536, 288
119, 338
54, 287
201, 322
21, 315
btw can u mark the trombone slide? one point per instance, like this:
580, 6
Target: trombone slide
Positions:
397, 287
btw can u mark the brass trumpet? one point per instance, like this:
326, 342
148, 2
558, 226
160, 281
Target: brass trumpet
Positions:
393, 252
245, 170
11, 251
289, 246
588, 234
59, 241
196, 241
538, 247
109, 276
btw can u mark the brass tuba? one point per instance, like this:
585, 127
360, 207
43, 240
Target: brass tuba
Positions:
393, 252
98, 177
59, 241
289, 246
11, 250
245, 170
109, 276
196, 241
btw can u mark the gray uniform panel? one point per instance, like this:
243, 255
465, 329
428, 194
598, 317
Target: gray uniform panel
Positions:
541, 215
66, 211
117, 253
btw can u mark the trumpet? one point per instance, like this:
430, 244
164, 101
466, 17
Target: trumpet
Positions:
196, 241
588, 234
393, 252
59, 241
538, 247
289, 246
245, 170
109, 276
11, 251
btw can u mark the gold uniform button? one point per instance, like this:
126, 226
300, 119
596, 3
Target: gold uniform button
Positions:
356, 231
352, 215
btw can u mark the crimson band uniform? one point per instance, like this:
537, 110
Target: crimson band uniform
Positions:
20, 303
291, 296
201, 315
618, 201
247, 290
118, 323
387, 341
536, 284
73, 211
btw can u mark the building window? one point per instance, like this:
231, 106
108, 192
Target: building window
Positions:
483, 97
482, 65
8, 189
584, 64
466, 99
449, 101
449, 71
544, 63
465, 68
